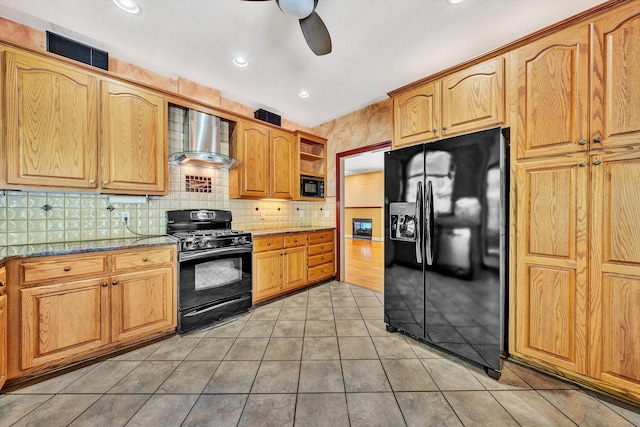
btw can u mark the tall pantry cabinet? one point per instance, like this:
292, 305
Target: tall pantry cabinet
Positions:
577, 140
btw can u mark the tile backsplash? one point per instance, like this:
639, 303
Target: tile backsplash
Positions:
81, 217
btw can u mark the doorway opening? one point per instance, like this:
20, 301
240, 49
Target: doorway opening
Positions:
360, 215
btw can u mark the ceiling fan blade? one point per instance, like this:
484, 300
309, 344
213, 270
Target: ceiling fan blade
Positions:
316, 34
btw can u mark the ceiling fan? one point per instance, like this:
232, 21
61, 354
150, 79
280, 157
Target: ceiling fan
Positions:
313, 29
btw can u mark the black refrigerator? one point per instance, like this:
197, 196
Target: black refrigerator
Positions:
445, 244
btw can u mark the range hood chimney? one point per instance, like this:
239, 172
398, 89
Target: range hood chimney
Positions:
205, 148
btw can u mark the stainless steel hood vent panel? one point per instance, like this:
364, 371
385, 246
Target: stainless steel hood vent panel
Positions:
205, 146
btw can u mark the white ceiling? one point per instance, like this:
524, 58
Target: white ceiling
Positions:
370, 161
378, 45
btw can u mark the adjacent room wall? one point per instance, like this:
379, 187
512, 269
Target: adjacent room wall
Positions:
364, 198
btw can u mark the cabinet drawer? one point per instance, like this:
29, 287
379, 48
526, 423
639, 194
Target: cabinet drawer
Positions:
293, 240
321, 272
148, 258
320, 259
321, 237
261, 244
320, 249
71, 267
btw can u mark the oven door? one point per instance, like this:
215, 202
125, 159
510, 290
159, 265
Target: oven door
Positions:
216, 275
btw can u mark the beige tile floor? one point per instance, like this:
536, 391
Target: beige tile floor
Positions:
321, 357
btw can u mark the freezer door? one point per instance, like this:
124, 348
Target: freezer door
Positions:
404, 241
463, 286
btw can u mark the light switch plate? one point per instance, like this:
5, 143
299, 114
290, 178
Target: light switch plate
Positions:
327, 214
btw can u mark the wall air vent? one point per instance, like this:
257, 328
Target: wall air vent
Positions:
267, 116
77, 51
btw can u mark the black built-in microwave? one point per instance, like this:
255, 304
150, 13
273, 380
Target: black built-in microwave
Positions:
312, 187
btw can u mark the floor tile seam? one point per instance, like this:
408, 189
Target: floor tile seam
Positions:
129, 419
36, 408
558, 409
158, 387
576, 390
456, 413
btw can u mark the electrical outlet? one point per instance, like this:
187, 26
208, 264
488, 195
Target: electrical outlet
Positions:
327, 214
125, 216
301, 214
262, 215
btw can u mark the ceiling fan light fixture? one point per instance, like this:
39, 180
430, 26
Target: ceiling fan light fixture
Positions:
299, 9
128, 6
240, 62
304, 94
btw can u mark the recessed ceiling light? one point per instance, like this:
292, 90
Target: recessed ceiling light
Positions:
304, 94
128, 6
240, 61
454, 1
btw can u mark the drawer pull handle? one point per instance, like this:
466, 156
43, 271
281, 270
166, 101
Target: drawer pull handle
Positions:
105, 182
114, 283
268, 243
583, 142
596, 162
295, 241
145, 259
67, 268
322, 258
104, 285
597, 139
1, 283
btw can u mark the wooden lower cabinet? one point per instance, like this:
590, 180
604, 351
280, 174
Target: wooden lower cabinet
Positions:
321, 249
295, 268
577, 291
614, 286
267, 275
3, 339
283, 262
141, 303
61, 320
90, 311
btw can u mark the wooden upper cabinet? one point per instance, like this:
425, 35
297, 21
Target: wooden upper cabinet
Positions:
416, 115
282, 164
552, 289
133, 140
51, 123
553, 94
267, 163
473, 98
253, 173
615, 271
615, 94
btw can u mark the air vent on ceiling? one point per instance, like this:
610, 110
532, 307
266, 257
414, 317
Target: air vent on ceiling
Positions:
77, 51
267, 116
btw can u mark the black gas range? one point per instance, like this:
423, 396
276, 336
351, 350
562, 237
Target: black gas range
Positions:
215, 262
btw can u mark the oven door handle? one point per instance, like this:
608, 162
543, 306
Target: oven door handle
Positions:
213, 307
186, 256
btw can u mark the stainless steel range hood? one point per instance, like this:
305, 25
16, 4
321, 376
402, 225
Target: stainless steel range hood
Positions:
205, 146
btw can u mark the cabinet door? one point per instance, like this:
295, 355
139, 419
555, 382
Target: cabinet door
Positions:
51, 123
473, 98
295, 267
267, 274
615, 271
133, 140
3, 340
60, 322
282, 165
615, 90
551, 288
553, 94
142, 303
254, 155
416, 115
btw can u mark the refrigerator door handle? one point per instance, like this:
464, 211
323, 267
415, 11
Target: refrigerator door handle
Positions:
429, 226
418, 224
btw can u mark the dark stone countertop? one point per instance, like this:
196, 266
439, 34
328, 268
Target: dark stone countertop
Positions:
64, 248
